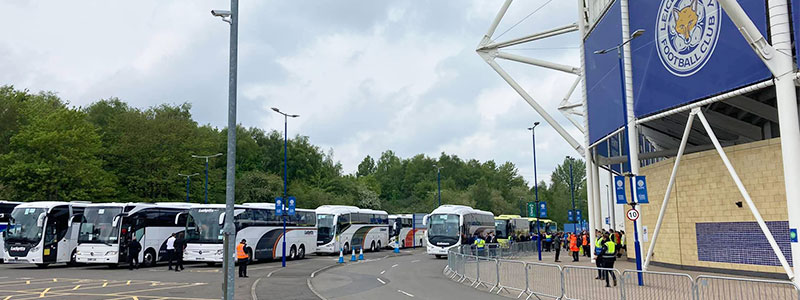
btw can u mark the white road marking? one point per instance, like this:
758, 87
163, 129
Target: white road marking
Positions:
381, 281
414, 261
404, 293
270, 273
384, 271
253, 289
394, 265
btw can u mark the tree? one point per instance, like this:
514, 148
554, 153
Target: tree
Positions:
55, 157
366, 167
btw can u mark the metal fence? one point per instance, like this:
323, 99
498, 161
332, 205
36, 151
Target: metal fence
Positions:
724, 288
494, 270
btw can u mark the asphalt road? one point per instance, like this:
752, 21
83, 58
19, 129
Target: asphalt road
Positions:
415, 275
382, 275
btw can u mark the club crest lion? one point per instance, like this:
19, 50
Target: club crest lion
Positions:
686, 34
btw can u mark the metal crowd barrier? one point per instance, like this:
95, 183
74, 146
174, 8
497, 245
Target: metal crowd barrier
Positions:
582, 283
724, 288
656, 285
516, 278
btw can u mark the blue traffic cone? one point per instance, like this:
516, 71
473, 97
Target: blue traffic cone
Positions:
353, 258
341, 256
396, 247
361, 254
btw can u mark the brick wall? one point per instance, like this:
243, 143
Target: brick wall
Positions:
704, 198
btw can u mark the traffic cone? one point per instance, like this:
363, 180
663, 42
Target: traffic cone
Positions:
353, 258
341, 256
361, 254
396, 247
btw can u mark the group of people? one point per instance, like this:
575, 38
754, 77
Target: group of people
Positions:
609, 245
175, 246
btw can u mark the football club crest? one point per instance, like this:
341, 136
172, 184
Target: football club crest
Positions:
686, 34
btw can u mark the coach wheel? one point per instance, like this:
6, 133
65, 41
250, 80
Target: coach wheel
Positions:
211, 264
379, 246
73, 259
302, 253
149, 258
293, 253
438, 256
372, 246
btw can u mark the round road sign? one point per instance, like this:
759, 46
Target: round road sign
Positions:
633, 214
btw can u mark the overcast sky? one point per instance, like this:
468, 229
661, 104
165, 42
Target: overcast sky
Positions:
365, 76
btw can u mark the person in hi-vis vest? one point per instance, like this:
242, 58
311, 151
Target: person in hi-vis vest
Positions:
242, 258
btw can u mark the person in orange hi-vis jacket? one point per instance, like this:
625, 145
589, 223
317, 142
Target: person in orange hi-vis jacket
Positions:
573, 246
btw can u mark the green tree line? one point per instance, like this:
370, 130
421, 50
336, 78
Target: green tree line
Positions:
111, 151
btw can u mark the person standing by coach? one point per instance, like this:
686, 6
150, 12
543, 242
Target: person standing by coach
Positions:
170, 250
242, 258
134, 247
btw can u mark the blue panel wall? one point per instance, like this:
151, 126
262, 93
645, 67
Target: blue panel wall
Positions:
741, 243
715, 57
604, 94
796, 25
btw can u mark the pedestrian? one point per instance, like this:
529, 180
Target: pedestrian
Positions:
623, 247
573, 246
609, 257
548, 241
598, 251
180, 246
585, 244
133, 253
243, 258
557, 246
170, 250
479, 244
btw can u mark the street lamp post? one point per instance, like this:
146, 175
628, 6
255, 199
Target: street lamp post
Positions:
439, 181
636, 244
229, 231
188, 183
206, 157
536, 188
572, 196
285, 168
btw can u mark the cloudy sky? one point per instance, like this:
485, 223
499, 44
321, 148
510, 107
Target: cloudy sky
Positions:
365, 76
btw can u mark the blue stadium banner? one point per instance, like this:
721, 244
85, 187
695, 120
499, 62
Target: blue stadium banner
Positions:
570, 216
291, 203
278, 206
690, 50
542, 210
603, 81
619, 189
578, 216
641, 190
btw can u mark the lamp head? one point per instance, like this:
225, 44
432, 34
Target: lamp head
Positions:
637, 33
276, 109
294, 116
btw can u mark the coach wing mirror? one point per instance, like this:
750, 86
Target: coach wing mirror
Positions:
221, 218
177, 218
40, 220
116, 220
425, 220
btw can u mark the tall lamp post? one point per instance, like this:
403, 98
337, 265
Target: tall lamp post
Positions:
636, 245
572, 196
229, 231
188, 182
439, 181
206, 157
285, 139
536, 189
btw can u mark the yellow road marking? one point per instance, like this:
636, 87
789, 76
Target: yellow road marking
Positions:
55, 279
6, 298
105, 284
76, 287
27, 282
44, 292
128, 283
